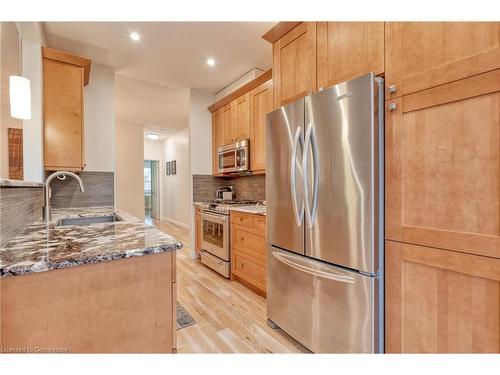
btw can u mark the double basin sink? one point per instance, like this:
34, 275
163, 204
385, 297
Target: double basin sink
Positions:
89, 220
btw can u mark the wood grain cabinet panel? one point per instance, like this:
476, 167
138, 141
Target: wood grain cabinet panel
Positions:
64, 76
198, 233
248, 250
216, 139
440, 301
249, 270
63, 115
228, 118
261, 103
242, 113
443, 166
419, 55
294, 64
347, 50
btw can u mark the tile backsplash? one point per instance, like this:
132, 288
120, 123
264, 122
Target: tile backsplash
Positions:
19, 207
246, 187
99, 191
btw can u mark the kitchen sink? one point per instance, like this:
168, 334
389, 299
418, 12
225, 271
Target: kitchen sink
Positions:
89, 220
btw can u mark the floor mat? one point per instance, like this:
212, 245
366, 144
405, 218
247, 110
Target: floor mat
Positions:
183, 318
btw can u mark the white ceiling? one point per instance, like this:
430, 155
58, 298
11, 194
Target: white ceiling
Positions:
155, 107
169, 53
153, 75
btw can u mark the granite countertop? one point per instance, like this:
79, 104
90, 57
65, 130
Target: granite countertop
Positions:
250, 209
259, 209
4, 182
41, 248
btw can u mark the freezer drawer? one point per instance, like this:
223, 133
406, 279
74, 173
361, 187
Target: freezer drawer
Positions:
326, 308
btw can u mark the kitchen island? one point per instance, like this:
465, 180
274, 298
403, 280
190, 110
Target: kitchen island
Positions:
100, 288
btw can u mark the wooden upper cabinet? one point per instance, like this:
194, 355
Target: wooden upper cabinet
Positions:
347, 50
64, 76
228, 118
440, 301
242, 117
294, 64
419, 55
443, 166
261, 103
216, 139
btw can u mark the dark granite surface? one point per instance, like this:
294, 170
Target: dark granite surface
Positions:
42, 248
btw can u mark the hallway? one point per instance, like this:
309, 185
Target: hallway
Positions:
229, 317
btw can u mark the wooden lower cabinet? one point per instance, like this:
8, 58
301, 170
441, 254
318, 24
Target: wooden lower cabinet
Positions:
248, 250
120, 306
197, 232
440, 301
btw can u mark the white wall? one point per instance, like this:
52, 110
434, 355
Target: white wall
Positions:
175, 198
9, 65
244, 79
33, 38
200, 145
153, 150
33, 128
129, 167
99, 120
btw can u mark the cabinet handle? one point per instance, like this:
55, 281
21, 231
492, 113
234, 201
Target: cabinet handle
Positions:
392, 89
392, 106
242, 239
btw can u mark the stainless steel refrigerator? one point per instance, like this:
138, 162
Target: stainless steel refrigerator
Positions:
324, 192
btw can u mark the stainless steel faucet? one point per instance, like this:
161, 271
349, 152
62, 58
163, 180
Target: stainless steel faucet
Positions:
61, 175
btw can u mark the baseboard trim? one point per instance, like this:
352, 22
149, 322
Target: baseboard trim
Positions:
175, 222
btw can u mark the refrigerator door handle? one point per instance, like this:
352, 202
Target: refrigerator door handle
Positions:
310, 142
307, 266
299, 216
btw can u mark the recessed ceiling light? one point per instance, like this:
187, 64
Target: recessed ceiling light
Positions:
134, 36
153, 136
210, 62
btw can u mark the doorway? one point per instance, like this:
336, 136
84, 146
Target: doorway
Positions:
151, 189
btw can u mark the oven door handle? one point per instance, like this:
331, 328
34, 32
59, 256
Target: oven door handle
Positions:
215, 218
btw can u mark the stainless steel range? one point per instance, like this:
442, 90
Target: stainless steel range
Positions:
215, 234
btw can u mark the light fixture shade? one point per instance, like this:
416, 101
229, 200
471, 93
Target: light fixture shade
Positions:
153, 136
20, 97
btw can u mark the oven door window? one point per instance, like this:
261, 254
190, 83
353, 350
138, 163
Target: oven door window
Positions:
213, 233
227, 160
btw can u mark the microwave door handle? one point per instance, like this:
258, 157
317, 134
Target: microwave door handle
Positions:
306, 267
299, 217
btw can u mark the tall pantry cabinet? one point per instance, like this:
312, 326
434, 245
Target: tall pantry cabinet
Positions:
442, 175
442, 187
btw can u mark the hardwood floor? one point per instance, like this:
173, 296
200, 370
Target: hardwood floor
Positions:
229, 317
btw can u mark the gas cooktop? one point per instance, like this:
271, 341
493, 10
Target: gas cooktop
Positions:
222, 206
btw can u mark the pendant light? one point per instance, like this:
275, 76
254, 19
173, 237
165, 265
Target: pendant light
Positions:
20, 91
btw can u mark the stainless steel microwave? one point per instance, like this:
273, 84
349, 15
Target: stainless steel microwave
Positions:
234, 157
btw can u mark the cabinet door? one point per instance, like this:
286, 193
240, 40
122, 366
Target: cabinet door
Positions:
228, 123
261, 103
443, 166
347, 50
216, 139
242, 112
440, 301
294, 64
63, 115
420, 55
197, 230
